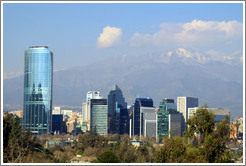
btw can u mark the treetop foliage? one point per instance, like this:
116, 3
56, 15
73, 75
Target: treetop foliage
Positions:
19, 146
204, 142
211, 147
201, 123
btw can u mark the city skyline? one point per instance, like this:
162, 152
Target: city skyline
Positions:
123, 82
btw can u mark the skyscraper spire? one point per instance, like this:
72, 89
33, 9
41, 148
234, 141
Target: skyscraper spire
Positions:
117, 112
115, 87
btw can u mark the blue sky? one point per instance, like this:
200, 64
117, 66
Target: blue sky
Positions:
80, 34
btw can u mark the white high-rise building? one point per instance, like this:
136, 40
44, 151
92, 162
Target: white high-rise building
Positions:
86, 111
183, 103
86, 106
191, 112
93, 95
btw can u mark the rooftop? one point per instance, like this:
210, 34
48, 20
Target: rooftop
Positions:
35, 47
115, 87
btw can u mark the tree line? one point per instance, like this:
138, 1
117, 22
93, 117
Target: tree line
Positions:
203, 142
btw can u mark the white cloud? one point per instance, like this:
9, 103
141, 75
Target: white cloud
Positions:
196, 33
199, 25
139, 39
161, 38
110, 36
213, 55
209, 31
220, 38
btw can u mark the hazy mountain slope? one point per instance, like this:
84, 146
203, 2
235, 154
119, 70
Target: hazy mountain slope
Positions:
218, 84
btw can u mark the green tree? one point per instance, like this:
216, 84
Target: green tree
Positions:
126, 152
90, 139
19, 145
37, 157
144, 151
214, 147
211, 148
222, 130
193, 155
15, 146
108, 157
201, 123
64, 159
172, 151
214, 150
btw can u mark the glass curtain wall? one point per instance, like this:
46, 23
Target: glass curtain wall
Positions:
37, 99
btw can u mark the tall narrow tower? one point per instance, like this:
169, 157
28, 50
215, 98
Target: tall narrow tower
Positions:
117, 112
183, 103
38, 83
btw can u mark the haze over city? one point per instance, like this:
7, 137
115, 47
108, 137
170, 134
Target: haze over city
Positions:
150, 50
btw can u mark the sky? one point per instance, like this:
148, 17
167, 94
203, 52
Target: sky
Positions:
80, 34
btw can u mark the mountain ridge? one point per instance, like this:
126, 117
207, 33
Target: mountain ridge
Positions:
216, 83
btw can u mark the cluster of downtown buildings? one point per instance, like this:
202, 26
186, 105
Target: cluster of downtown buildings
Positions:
104, 116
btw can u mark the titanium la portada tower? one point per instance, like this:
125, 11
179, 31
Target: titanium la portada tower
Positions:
38, 83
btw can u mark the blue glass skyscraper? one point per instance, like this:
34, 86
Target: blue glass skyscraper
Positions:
38, 82
137, 118
117, 112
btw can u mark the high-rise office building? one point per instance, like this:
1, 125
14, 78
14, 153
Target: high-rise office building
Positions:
136, 115
93, 95
192, 111
57, 123
99, 116
169, 121
124, 121
117, 112
148, 121
176, 121
86, 107
163, 116
37, 97
183, 103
